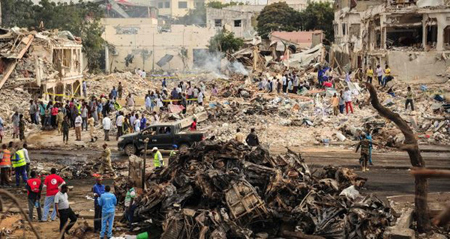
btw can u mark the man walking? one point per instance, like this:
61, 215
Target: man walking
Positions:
52, 182
252, 138
34, 189
78, 123
64, 211
98, 191
19, 165
106, 126
106, 161
108, 202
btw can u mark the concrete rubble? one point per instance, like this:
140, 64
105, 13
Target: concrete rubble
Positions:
227, 189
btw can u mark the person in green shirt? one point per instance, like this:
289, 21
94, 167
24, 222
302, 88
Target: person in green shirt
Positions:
129, 204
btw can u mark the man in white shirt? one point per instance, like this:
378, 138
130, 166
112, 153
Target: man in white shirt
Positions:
27, 158
379, 74
348, 100
63, 209
200, 98
119, 124
78, 123
106, 127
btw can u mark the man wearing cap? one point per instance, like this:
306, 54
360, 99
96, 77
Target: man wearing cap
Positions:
106, 160
158, 160
98, 190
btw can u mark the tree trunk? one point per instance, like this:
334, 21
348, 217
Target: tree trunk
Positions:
410, 145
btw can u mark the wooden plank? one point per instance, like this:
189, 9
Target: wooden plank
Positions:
9, 70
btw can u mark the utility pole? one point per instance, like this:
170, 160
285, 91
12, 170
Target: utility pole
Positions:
145, 162
153, 53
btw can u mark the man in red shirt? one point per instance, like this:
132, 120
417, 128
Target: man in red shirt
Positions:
194, 125
34, 189
52, 182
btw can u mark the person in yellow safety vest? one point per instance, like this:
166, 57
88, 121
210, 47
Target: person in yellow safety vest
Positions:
19, 164
173, 153
158, 160
79, 108
5, 165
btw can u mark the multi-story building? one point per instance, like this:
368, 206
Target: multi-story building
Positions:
412, 37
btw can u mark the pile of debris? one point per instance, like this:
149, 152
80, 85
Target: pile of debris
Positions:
229, 190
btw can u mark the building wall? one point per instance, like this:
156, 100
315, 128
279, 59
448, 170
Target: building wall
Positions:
230, 19
146, 39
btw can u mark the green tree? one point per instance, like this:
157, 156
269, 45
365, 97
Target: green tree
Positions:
220, 5
81, 19
318, 16
17, 13
277, 17
225, 41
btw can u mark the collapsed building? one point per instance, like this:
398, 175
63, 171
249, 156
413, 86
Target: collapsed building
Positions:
412, 37
47, 63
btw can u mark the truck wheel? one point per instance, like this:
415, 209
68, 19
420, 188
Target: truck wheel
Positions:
130, 149
184, 147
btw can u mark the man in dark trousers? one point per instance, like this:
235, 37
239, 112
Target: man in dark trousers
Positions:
252, 138
34, 189
64, 211
98, 190
364, 143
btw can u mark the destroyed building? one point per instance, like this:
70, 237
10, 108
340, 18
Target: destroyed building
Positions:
142, 43
48, 63
412, 37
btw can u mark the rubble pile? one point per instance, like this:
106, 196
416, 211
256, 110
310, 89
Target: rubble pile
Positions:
280, 119
229, 190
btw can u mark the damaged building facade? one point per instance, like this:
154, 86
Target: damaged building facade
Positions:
413, 38
142, 43
48, 63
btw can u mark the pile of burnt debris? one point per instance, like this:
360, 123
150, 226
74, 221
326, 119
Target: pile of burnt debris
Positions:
229, 190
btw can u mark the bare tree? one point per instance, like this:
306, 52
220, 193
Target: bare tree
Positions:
412, 148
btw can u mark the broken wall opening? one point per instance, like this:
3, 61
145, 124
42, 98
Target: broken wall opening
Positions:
405, 30
404, 37
447, 38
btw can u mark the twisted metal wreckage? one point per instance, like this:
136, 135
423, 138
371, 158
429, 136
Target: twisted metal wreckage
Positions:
228, 190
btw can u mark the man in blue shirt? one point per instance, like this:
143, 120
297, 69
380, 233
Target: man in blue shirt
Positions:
98, 190
108, 203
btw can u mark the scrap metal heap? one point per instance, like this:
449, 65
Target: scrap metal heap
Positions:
229, 190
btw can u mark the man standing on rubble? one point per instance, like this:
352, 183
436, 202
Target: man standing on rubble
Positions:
252, 138
52, 182
120, 90
364, 144
34, 189
21, 128
379, 75
284, 81
98, 190
158, 160
129, 204
335, 104
239, 136
78, 123
409, 99
33, 112
84, 89
108, 202
348, 100
15, 120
